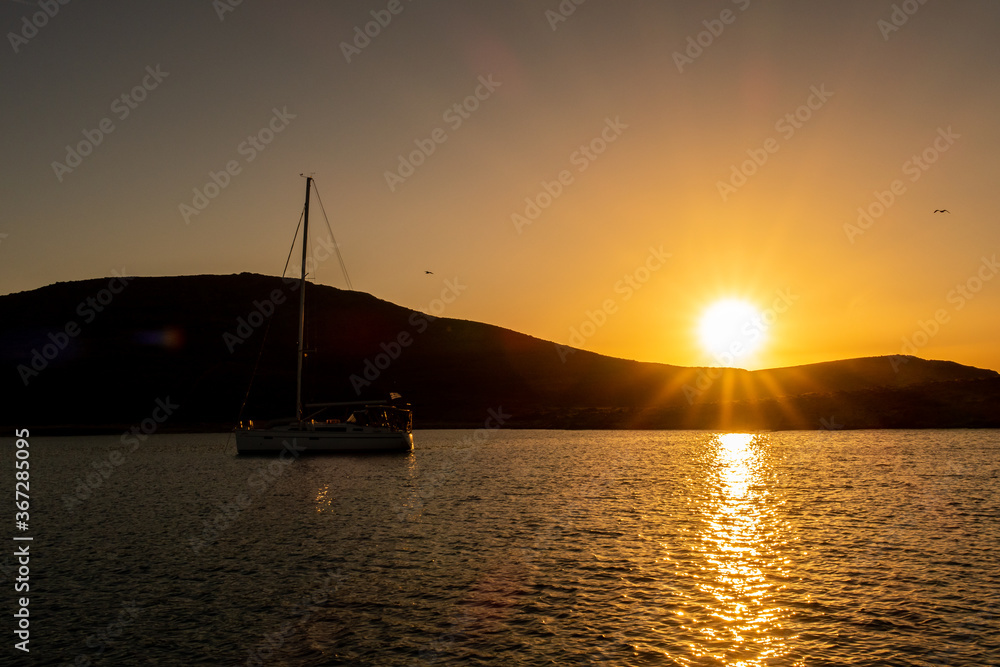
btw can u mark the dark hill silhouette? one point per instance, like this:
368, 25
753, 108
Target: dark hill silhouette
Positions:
196, 340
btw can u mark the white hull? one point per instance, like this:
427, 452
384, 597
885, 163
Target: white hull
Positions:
306, 440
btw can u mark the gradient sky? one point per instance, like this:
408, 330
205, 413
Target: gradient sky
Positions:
679, 134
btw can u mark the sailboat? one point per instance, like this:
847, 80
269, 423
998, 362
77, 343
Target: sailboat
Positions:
370, 427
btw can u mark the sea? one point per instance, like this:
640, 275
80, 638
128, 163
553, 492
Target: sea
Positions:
512, 547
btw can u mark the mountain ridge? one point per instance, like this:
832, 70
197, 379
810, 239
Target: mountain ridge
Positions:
198, 339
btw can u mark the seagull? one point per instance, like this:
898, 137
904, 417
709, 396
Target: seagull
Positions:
941, 210
429, 272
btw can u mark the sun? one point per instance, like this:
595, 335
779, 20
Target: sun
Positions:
731, 331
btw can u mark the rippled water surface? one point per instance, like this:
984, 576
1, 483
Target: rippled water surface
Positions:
520, 548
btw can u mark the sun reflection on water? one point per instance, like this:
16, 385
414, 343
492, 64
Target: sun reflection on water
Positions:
738, 620
324, 499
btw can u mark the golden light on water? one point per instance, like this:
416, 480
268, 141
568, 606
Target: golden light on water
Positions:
738, 541
735, 444
324, 499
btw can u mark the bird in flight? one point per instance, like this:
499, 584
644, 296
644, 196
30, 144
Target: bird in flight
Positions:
429, 272
942, 210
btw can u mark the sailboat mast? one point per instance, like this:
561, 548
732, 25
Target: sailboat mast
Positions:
302, 305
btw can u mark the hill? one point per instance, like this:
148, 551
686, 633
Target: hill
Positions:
99, 354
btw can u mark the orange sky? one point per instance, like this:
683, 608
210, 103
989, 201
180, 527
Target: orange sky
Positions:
627, 131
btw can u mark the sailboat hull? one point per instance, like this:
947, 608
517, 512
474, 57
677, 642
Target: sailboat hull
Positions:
296, 440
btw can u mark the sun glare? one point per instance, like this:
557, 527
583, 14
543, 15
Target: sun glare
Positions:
736, 441
731, 330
